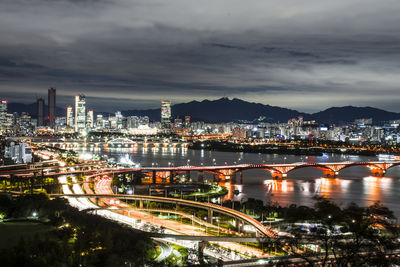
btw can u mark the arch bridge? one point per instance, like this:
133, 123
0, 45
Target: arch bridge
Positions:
278, 171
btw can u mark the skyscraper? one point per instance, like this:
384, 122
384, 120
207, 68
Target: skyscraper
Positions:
89, 119
166, 114
40, 111
80, 113
52, 107
3, 114
70, 116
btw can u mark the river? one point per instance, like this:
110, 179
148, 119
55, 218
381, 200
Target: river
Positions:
354, 184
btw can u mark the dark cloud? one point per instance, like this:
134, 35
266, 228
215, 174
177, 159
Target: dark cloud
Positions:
134, 53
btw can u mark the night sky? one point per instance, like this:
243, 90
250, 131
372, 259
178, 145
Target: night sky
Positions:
125, 54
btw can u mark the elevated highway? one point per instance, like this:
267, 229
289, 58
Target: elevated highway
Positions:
207, 206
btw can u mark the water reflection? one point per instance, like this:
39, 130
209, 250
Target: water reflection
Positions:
353, 185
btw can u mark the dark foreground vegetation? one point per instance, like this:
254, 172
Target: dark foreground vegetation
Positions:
74, 238
330, 235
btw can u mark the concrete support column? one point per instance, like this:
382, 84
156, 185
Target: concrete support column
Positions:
215, 178
200, 177
233, 178
172, 177
154, 177
277, 175
377, 172
210, 216
241, 177
329, 174
140, 204
239, 225
138, 178
188, 175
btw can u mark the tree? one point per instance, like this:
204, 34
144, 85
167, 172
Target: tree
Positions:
353, 236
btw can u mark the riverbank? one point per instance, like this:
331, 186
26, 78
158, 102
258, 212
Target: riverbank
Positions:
277, 149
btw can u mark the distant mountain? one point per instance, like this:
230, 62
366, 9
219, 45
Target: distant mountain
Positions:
223, 110
228, 110
349, 114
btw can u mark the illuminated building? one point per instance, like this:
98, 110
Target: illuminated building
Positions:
70, 116
99, 121
3, 113
166, 114
89, 119
133, 122
143, 130
52, 107
40, 111
178, 123
187, 122
239, 133
80, 113
18, 152
24, 122
119, 120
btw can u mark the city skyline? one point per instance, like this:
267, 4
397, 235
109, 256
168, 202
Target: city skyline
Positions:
307, 57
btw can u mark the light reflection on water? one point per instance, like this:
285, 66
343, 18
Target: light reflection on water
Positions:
353, 184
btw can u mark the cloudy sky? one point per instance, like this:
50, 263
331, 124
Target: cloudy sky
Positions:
126, 54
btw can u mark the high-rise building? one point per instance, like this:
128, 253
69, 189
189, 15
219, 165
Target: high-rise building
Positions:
80, 113
118, 120
187, 122
3, 113
166, 114
133, 122
52, 107
70, 116
89, 119
99, 121
40, 111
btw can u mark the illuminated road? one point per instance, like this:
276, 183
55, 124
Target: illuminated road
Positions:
84, 203
165, 248
102, 185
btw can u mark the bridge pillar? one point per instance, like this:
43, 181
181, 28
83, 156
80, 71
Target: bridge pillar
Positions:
215, 178
140, 204
232, 178
377, 172
278, 175
177, 207
241, 177
137, 177
239, 225
330, 174
188, 175
200, 177
172, 177
210, 216
154, 177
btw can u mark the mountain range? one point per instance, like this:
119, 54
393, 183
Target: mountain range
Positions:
228, 110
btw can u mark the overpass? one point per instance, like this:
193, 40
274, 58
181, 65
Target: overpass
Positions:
240, 217
116, 142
